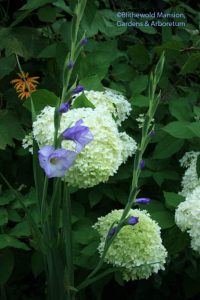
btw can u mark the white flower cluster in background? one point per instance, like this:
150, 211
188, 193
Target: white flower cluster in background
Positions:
137, 250
113, 101
187, 217
27, 142
190, 179
101, 158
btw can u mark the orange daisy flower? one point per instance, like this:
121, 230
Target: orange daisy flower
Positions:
25, 85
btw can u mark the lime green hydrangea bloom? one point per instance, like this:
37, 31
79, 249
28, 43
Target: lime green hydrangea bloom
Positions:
113, 101
187, 217
137, 250
101, 158
190, 178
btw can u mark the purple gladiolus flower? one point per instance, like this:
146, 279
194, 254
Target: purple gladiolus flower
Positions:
55, 162
142, 200
142, 164
78, 89
133, 220
84, 41
80, 134
64, 107
112, 231
70, 64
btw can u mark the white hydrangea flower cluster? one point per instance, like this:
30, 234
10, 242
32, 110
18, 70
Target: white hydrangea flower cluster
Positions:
114, 102
101, 158
137, 250
27, 142
190, 179
187, 217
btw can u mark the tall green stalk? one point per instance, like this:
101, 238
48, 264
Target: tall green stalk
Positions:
59, 259
56, 227
134, 190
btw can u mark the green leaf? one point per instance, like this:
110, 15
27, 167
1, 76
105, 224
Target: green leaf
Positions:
84, 234
191, 64
172, 200
34, 4
140, 101
92, 83
9, 241
181, 109
29, 199
3, 216
121, 195
37, 263
175, 240
61, 4
165, 219
49, 51
24, 41
10, 129
139, 56
139, 84
41, 98
149, 29
94, 197
153, 206
103, 20
179, 129
82, 101
162, 149
13, 215
47, 14
22, 229
123, 72
7, 65
90, 249
104, 53
7, 197
161, 176
195, 128
7, 265
198, 166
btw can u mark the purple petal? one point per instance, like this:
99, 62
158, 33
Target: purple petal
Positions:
70, 64
142, 164
80, 134
84, 41
112, 231
142, 200
78, 89
133, 220
152, 133
55, 162
64, 107
44, 153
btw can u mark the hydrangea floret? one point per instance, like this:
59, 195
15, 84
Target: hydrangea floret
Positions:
137, 251
113, 101
190, 179
187, 217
